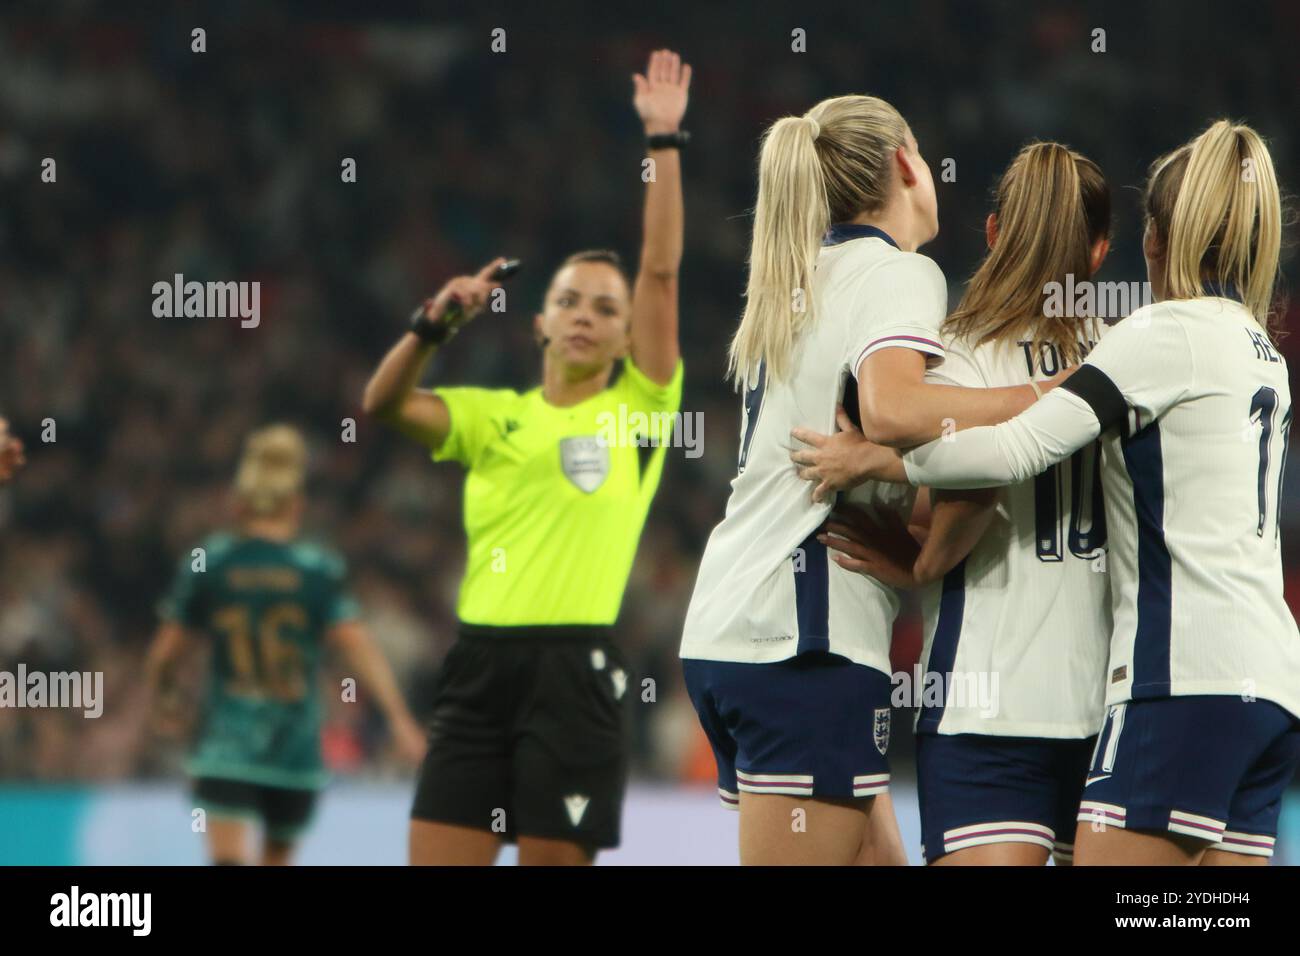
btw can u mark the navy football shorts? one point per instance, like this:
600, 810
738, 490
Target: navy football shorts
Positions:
977, 789
816, 725
1213, 767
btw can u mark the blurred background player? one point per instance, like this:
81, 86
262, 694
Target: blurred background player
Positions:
271, 604
1010, 580
528, 737
11, 453
787, 654
1193, 406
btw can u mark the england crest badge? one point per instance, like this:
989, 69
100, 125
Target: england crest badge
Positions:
880, 729
585, 461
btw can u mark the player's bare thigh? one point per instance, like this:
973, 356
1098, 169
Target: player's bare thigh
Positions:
781, 830
445, 844
1228, 858
1113, 846
882, 844
540, 851
997, 854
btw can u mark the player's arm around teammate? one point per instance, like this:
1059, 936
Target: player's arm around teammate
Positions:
845, 200
995, 790
1189, 767
910, 556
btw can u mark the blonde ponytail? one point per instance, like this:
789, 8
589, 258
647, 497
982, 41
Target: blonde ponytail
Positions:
790, 218
826, 166
1216, 206
1053, 204
271, 469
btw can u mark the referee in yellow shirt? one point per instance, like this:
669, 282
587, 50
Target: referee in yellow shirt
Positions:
528, 738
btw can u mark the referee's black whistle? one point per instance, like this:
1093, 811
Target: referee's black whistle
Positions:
454, 316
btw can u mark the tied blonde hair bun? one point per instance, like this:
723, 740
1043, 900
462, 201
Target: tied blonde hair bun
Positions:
271, 469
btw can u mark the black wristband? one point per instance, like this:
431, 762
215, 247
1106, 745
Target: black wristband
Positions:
675, 140
427, 330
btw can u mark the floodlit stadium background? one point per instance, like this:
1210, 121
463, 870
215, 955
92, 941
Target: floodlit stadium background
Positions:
225, 166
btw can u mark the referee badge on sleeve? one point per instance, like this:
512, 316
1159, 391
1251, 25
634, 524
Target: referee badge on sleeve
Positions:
585, 461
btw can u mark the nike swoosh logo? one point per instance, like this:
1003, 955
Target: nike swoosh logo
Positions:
1091, 780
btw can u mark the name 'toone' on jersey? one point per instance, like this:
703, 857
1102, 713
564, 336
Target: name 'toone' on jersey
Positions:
1017, 633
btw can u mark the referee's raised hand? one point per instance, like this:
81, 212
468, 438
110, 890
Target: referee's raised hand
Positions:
463, 297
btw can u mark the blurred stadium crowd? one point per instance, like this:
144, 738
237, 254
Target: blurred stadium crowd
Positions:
226, 166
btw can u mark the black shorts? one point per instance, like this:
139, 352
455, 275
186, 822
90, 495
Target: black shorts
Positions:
283, 812
528, 735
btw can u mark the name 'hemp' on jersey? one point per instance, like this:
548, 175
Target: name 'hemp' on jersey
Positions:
553, 511
268, 605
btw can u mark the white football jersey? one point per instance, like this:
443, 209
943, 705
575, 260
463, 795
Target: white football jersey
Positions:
1192, 478
767, 589
1016, 635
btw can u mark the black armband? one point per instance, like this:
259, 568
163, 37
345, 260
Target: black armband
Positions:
1093, 386
675, 140
430, 331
